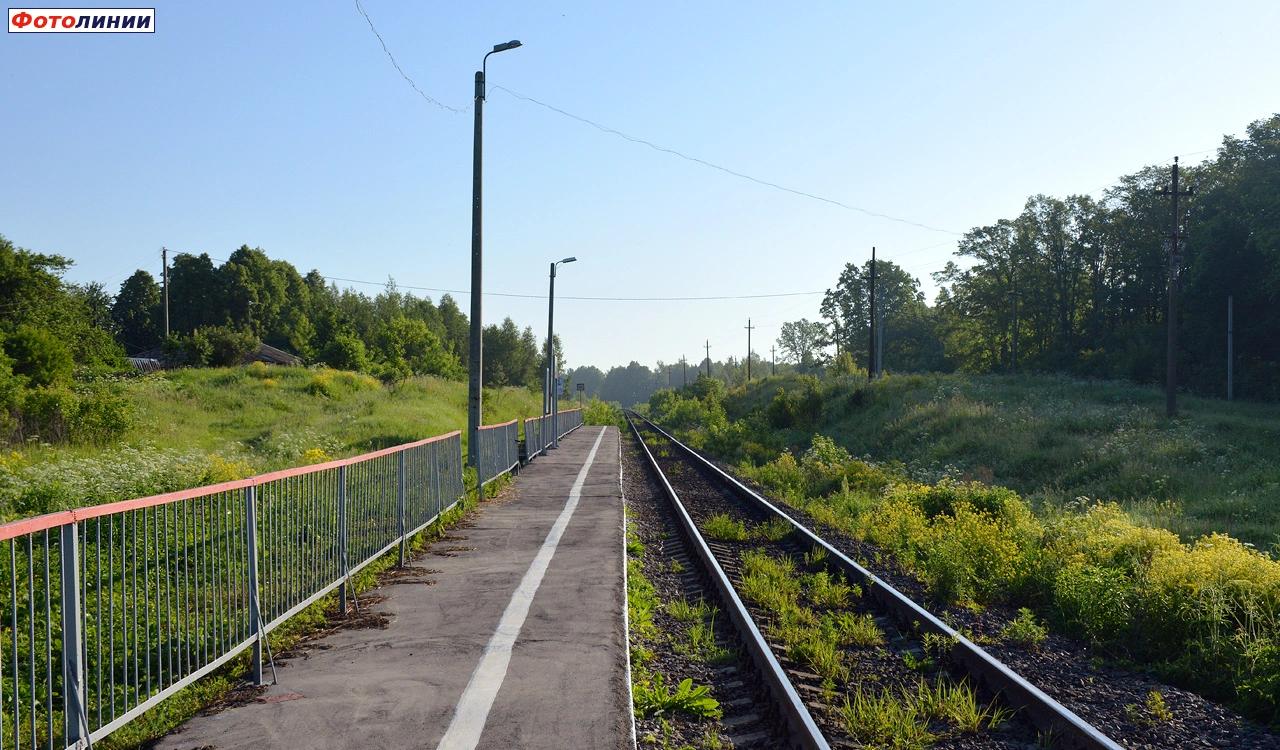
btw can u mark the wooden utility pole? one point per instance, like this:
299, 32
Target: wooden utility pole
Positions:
773, 356
1231, 333
871, 321
1013, 296
164, 261
1171, 352
684, 364
748, 349
708, 357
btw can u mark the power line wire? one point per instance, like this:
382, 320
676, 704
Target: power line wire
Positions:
726, 170
400, 70
415, 288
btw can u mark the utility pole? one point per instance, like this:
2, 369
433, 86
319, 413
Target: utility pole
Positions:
880, 340
773, 357
684, 363
1171, 353
871, 321
1231, 332
708, 357
1013, 296
164, 261
748, 349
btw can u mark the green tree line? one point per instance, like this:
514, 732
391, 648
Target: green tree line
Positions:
1079, 285
62, 343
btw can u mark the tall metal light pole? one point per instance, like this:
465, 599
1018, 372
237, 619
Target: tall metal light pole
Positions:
552, 401
476, 359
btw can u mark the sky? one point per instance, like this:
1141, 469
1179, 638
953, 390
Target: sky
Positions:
285, 126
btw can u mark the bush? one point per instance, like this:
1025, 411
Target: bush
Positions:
39, 357
217, 346
228, 346
345, 352
603, 413
336, 384
1094, 603
89, 414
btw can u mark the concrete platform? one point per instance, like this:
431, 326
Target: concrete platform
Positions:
518, 644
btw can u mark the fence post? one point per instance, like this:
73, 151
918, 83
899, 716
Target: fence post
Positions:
400, 506
342, 539
75, 723
255, 610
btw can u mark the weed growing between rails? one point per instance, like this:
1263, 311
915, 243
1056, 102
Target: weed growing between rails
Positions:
229, 685
692, 687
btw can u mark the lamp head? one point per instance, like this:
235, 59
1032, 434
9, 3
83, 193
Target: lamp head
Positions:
570, 259
506, 46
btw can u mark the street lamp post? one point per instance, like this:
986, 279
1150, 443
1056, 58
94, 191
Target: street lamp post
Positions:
551, 403
476, 360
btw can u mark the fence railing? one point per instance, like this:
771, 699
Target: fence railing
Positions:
499, 450
568, 421
538, 430
112, 608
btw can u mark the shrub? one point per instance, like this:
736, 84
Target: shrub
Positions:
345, 352
600, 412
227, 345
1094, 603
1024, 630
337, 384
39, 357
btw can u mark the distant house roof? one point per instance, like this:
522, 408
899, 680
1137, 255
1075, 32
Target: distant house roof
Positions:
155, 359
146, 364
271, 355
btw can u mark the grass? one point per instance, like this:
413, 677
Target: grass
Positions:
725, 529
197, 426
1054, 439
903, 719
1082, 540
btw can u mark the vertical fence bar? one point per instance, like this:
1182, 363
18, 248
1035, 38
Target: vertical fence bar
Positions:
75, 721
342, 539
255, 615
400, 505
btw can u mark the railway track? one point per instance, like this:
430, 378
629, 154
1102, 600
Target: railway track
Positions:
830, 641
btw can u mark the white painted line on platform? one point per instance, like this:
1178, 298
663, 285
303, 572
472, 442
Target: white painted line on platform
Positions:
472, 712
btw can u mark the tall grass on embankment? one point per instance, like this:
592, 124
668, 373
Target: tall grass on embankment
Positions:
198, 426
1053, 439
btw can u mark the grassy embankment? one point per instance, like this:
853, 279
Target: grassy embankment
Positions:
194, 427
1101, 472
1055, 439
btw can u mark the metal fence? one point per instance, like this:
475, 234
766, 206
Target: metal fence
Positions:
499, 450
568, 421
110, 609
537, 436
537, 431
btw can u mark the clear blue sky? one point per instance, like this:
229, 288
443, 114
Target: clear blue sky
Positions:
284, 126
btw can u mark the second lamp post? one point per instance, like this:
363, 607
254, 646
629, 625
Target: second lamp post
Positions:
551, 400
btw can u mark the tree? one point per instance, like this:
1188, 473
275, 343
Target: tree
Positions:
137, 312
847, 306
802, 342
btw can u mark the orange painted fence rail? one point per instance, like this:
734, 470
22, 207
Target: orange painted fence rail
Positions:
110, 609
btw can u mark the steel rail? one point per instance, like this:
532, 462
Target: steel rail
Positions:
803, 730
1048, 714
